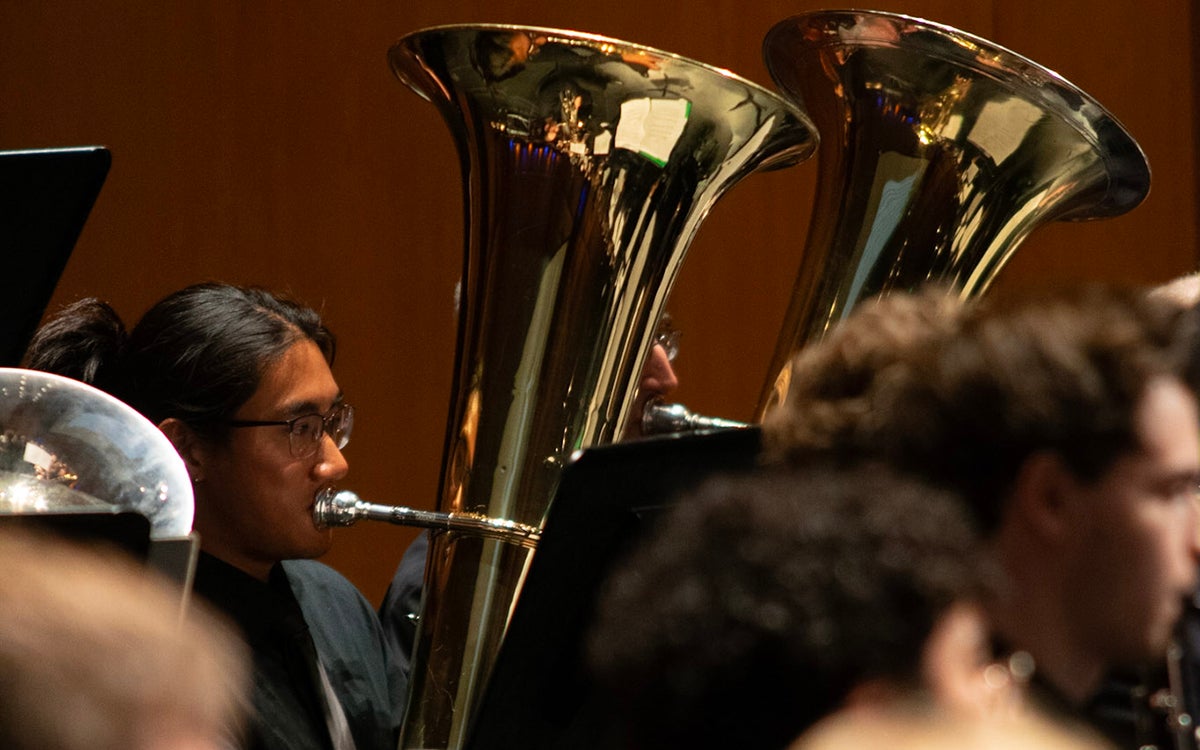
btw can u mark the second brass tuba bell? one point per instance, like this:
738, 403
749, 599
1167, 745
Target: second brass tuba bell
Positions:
940, 152
588, 166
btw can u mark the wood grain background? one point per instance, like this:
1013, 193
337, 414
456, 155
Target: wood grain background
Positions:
268, 143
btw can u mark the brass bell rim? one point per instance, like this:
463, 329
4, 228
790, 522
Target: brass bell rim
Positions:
401, 54
1125, 161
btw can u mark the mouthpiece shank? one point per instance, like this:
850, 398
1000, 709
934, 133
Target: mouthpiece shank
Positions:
344, 508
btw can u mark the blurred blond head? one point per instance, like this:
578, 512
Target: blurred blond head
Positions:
95, 654
900, 729
1184, 291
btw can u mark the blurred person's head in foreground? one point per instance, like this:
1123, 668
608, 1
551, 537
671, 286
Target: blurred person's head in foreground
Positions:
95, 655
906, 730
761, 604
1067, 423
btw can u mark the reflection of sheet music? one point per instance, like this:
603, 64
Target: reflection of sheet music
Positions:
652, 126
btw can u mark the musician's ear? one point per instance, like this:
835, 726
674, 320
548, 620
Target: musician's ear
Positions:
955, 664
1041, 497
188, 444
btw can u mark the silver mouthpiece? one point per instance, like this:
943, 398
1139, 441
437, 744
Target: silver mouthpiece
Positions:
663, 419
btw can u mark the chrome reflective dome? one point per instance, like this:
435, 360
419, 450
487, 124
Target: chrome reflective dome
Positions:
66, 446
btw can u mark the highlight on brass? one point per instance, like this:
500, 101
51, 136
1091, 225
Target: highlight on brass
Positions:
940, 152
589, 165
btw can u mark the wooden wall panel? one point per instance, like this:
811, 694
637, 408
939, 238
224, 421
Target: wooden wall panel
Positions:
268, 143
1138, 60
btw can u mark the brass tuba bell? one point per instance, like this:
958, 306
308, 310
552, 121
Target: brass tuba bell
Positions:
588, 166
940, 152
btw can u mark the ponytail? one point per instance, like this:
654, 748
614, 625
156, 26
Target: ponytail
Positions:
84, 341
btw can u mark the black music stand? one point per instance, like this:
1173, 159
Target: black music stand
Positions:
45, 198
127, 531
538, 696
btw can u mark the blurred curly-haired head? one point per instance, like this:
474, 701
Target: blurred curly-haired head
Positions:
835, 384
962, 395
1064, 374
760, 601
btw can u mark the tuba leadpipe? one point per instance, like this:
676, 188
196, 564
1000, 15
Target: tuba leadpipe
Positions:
345, 508
588, 164
940, 152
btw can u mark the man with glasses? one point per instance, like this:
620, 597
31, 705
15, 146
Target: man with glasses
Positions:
240, 381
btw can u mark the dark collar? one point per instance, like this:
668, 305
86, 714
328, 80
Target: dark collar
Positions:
262, 610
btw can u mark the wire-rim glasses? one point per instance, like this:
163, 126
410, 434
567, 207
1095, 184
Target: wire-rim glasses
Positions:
306, 431
668, 338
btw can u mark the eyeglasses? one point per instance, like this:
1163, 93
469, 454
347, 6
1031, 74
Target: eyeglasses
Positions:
305, 432
668, 339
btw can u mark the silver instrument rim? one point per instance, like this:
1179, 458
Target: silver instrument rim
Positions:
162, 489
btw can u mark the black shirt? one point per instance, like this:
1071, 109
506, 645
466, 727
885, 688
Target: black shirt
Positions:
305, 612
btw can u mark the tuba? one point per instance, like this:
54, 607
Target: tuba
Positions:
588, 165
940, 152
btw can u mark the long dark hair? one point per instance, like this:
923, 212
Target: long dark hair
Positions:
197, 355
